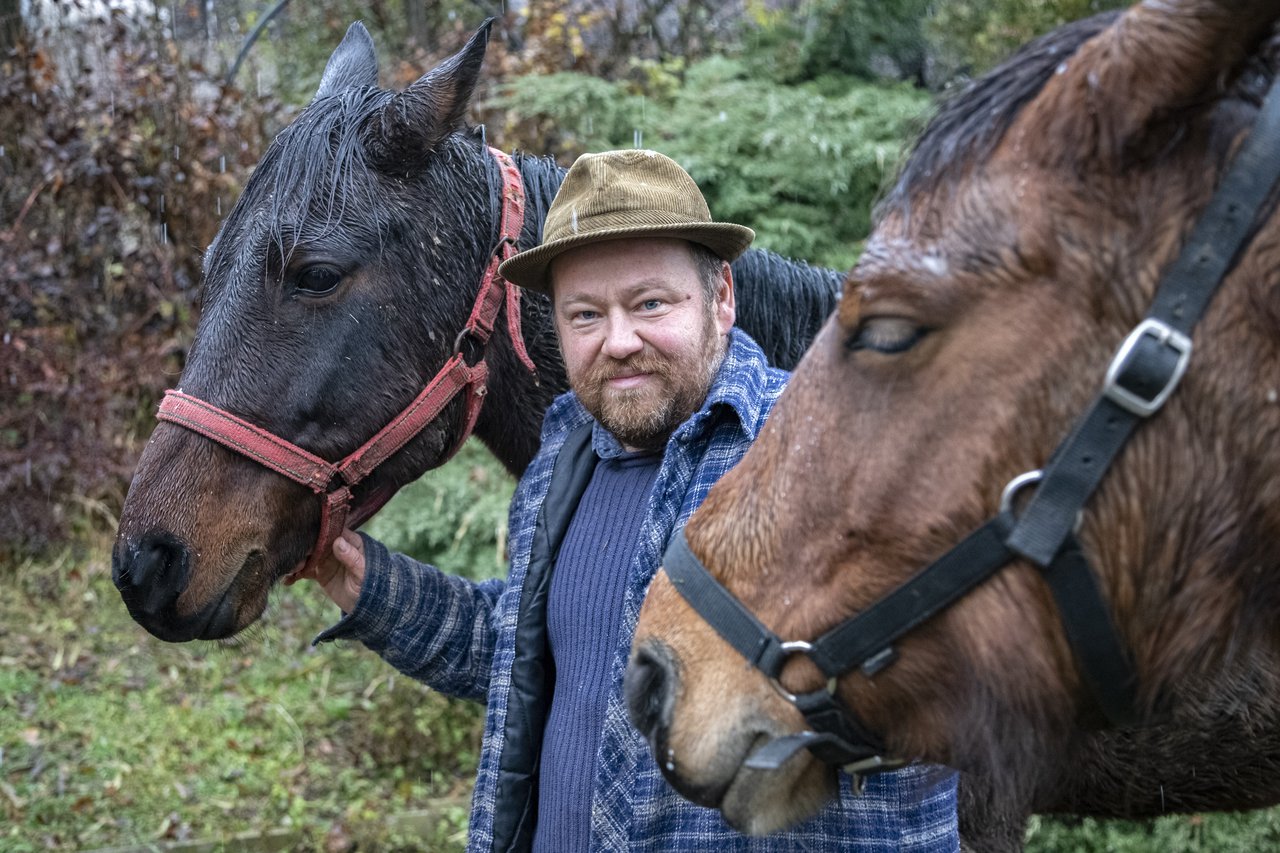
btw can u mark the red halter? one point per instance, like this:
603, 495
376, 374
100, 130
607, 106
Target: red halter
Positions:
333, 481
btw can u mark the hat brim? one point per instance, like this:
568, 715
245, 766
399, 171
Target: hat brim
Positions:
529, 269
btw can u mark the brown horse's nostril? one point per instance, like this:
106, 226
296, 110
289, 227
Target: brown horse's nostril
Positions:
150, 572
650, 689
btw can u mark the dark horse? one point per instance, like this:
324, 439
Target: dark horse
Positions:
335, 289
1023, 242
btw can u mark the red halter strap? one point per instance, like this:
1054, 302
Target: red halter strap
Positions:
333, 481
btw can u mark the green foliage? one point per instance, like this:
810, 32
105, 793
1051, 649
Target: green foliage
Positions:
454, 517
802, 165
972, 36
1209, 833
867, 39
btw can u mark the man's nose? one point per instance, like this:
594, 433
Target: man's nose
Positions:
622, 339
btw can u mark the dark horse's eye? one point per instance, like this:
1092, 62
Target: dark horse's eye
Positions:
886, 335
318, 280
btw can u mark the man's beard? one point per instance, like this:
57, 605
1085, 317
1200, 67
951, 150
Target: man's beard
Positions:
644, 418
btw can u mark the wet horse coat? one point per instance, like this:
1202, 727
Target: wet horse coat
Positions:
1021, 244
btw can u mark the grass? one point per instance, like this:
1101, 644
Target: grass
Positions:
109, 737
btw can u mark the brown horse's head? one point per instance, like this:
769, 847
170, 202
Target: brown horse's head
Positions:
1023, 241
333, 292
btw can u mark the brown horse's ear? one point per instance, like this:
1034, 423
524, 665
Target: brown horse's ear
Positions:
400, 135
1157, 58
353, 65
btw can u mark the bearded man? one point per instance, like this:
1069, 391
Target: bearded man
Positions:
666, 397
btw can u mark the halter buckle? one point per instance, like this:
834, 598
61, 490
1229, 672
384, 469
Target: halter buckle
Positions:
1147, 393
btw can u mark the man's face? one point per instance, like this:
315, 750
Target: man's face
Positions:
639, 338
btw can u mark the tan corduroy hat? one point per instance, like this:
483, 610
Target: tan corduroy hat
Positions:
621, 194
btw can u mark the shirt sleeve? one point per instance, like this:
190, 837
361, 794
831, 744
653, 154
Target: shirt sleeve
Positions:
436, 628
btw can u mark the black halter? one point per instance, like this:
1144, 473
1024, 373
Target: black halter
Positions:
1142, 374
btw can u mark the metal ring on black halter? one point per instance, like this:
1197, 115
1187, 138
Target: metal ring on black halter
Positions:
798, 647
1017, 483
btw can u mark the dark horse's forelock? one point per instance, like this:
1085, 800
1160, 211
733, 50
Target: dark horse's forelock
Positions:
970, 124
317, 169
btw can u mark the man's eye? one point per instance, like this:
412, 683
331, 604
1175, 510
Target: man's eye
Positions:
318, 280
886, 335
651, 304
585, 316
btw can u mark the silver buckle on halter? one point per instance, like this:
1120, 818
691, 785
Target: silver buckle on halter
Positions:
797, 647
1163, 334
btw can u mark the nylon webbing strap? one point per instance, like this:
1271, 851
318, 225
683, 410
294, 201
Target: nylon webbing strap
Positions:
1103, 661
1184, 293
870, 635
722, 611
246, 439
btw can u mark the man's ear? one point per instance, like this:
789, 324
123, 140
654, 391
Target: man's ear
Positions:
726, 310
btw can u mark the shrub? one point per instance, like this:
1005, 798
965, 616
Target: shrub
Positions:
802, 165
112, 181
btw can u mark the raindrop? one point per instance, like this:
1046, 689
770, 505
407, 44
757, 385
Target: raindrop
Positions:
162, 202
219, 205
1, 151
164, 233
638, 138
671, 768
176, 151
222, 164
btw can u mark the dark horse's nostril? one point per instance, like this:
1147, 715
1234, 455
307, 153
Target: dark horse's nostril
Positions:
650, 689
150, 572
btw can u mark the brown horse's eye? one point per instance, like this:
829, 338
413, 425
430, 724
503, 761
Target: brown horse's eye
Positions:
318, 280
886, 335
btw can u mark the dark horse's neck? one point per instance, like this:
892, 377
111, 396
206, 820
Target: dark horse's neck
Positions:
781, 304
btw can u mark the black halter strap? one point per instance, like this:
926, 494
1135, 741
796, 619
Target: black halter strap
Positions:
1143, 373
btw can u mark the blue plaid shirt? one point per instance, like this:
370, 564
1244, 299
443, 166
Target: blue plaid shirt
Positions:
459, 637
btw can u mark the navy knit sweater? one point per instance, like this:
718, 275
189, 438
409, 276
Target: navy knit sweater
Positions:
583, 610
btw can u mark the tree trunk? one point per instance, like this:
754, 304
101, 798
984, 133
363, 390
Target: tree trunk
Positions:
12, 27
418, 22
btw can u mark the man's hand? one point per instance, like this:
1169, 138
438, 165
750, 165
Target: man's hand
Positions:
342, 572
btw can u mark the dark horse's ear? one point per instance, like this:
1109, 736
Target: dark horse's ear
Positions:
353, 65
1155, 60
400, 135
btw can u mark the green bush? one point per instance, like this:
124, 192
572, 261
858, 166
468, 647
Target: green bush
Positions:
454, 517
802, 165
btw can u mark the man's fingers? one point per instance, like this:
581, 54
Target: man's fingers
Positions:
349, 549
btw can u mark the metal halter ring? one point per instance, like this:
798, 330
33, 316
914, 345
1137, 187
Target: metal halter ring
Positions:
798, 647
1026, 479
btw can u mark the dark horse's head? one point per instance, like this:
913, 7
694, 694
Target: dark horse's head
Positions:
1023, 242
333, 292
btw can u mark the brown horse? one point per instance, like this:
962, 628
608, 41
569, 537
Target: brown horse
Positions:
1025, 238
336, 289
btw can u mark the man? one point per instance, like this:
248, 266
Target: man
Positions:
667, 396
